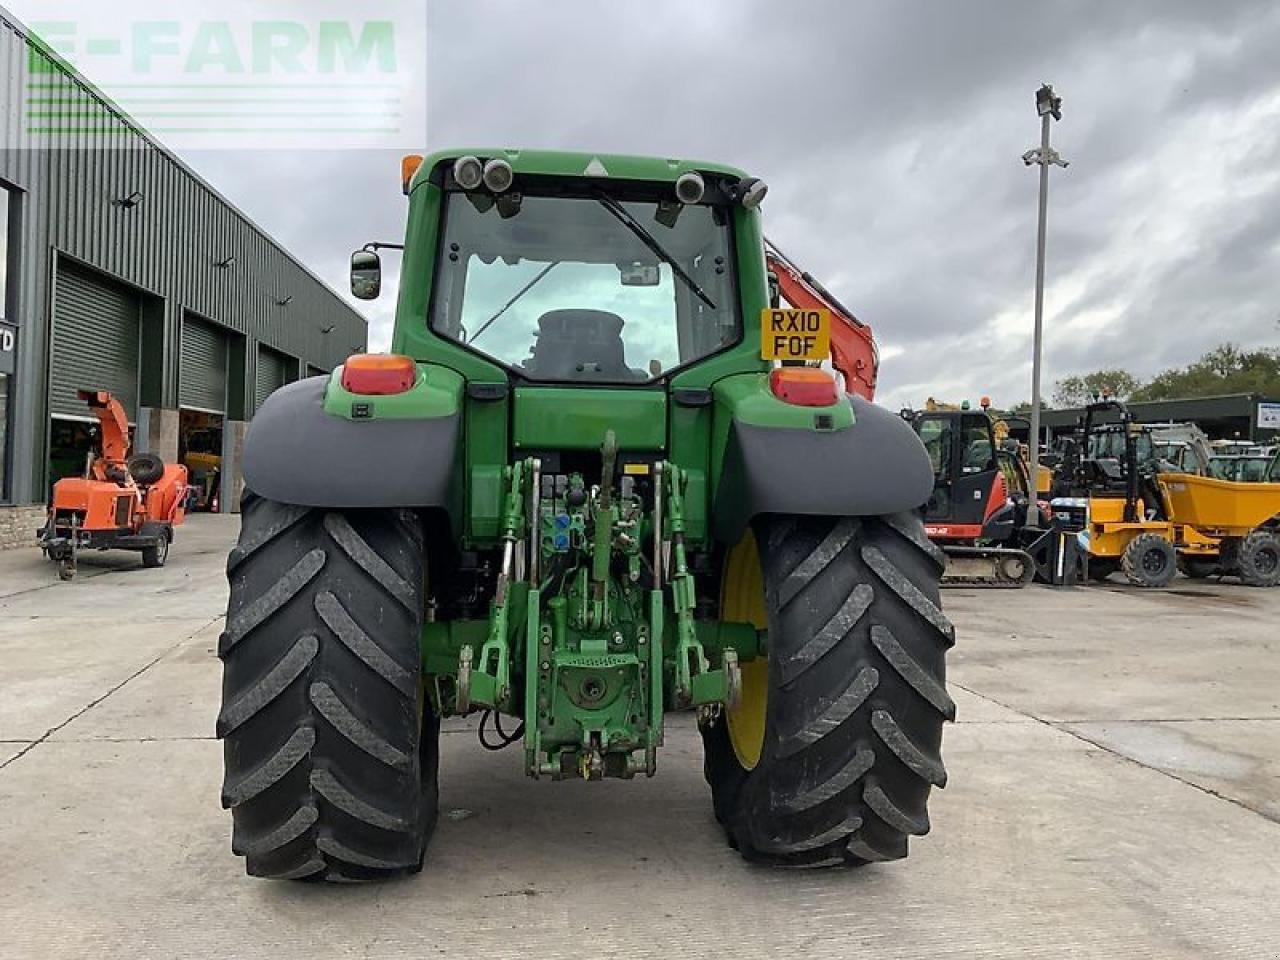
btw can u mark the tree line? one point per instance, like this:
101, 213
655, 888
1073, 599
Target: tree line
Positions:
1225, 369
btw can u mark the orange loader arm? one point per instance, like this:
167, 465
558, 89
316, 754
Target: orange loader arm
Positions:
853, 345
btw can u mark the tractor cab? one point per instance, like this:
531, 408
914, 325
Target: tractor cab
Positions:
962, 451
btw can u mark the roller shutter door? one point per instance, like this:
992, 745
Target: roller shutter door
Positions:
202, 382
96, 337
272, 374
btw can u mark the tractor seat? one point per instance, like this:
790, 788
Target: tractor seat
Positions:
580, 345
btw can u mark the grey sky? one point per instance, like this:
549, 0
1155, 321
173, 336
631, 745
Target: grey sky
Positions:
890, 134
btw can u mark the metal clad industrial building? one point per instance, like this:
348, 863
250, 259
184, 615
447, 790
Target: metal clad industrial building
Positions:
169, 301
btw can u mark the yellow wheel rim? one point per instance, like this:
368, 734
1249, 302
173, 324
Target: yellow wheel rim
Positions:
742, 601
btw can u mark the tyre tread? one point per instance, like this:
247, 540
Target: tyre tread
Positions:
911, 671
338, 620
273, 683
343, 719
258, 611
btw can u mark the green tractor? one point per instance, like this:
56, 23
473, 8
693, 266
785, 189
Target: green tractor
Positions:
600, 478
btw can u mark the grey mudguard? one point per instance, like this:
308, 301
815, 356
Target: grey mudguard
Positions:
296, 453
875, 467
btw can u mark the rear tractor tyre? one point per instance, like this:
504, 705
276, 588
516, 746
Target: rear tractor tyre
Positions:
330, 746
830, 756
1149, 561
1259, 558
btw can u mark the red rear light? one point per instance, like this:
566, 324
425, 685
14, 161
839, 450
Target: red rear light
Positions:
378, 374
803, 386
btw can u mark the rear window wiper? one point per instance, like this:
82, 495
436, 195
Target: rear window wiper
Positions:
510, 303
645, 237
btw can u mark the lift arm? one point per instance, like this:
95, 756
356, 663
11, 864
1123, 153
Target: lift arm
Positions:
853, 346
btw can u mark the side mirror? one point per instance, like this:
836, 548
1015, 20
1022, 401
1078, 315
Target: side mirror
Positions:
366, 275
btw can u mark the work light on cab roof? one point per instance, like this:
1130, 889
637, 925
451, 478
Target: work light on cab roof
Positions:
468, 172
498, 175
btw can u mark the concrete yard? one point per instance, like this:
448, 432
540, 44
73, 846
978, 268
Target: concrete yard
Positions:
1115, 792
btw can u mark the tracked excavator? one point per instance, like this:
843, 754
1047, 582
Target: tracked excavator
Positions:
981, 490
973, 514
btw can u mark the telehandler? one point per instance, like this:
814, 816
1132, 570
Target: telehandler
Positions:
600, 478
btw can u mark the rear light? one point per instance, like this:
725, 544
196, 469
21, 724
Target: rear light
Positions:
378, 374
803, 386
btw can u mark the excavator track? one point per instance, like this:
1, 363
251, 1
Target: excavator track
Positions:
1000, 568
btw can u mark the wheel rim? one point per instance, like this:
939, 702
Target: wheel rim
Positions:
1266, 561
742, 601
1154, 561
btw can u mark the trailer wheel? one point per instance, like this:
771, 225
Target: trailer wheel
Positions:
330, 745
830, 756
1149, 560
157, 554
1258, 559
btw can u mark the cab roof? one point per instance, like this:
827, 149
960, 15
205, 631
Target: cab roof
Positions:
576, 164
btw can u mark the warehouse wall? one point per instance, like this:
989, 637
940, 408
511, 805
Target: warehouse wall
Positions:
167, 246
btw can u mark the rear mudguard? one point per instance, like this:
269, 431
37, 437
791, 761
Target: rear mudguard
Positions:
316, 445
873, 466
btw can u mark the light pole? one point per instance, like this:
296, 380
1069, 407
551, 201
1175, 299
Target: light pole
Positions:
1049, 107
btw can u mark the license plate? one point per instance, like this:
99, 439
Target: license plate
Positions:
795, 334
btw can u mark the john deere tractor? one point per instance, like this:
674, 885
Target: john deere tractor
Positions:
600, 478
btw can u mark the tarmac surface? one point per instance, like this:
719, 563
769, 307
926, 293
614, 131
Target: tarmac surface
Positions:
1114, 793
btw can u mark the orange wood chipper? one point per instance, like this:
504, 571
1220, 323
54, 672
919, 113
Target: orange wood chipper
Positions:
121, 503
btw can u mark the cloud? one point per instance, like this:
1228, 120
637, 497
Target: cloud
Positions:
890, 134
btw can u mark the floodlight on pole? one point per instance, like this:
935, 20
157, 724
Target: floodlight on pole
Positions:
1048, 108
